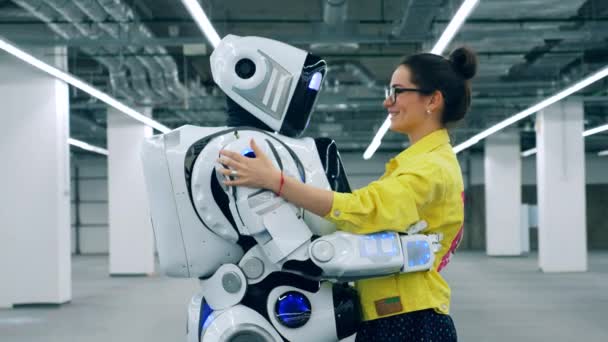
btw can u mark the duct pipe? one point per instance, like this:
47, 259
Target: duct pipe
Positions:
335, 12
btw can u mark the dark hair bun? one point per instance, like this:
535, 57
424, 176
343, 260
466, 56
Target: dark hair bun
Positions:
464, 62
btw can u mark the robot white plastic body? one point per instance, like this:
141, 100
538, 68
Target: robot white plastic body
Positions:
196, 239
271, 283
264, 264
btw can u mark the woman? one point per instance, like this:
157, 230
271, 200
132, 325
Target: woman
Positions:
427, 94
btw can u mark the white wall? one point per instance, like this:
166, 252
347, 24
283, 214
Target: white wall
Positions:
562, 209
93, 205
35, 263
502, 167
131, 234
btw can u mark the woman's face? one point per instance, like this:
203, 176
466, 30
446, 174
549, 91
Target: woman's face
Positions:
409, 111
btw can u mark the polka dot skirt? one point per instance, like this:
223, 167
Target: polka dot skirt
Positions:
419, 326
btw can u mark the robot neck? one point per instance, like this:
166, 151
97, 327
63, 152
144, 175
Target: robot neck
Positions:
239, 117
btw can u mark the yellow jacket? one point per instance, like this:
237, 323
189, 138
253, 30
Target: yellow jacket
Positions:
424, 182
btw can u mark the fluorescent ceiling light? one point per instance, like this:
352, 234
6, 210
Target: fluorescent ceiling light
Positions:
529, 152
446, 37
531, 110
199, 16
585, 134
371, 149
87, 88
595, 130
450, 31
87, 147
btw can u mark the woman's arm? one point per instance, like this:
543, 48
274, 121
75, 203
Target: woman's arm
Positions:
315, 200
392, 203
259, 172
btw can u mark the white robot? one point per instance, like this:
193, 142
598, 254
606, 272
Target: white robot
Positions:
269, 271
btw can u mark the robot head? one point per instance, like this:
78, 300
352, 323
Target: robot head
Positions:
275, 82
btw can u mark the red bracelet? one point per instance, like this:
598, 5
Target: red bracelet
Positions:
281, 184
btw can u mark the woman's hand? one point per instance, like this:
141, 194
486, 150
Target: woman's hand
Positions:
258, 172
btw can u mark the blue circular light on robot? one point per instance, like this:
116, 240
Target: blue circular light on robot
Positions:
292, 309
248, 153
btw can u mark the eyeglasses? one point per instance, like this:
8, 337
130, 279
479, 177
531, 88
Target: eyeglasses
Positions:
392, 92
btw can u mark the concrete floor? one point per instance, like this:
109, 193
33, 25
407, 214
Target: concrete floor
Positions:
494, 299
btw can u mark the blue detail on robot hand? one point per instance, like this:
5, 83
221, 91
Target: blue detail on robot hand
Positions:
292, 309
419, 253
315, 81
248, 153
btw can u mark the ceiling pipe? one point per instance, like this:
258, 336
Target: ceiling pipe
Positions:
335, 13
49, 13
138, 66
416, 17
358, 71
150, 78
122, 13
333, 34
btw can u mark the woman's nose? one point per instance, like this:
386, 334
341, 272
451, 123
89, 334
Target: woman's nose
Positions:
387, 102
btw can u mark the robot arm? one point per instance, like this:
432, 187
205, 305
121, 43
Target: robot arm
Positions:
347, 256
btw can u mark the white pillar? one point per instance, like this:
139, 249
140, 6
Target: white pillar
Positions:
562, 224
525, 228
35, 263
131, 235
502, 166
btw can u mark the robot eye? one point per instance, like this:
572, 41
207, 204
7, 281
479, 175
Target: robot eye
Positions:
245, 68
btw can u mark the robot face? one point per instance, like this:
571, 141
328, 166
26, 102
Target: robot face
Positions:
275, 82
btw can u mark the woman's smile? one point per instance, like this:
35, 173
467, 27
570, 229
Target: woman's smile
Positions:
394, 114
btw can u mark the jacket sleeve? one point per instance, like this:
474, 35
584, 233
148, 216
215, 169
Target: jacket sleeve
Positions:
391, 203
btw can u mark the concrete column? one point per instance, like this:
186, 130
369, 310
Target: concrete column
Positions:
525, 228
131, 235
562, 226
35, 263
502, 166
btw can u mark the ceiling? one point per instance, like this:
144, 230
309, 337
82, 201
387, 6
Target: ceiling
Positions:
151, 54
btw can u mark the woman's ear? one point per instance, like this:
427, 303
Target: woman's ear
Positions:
435, 102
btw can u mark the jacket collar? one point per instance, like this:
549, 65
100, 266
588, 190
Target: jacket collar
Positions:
426, 144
